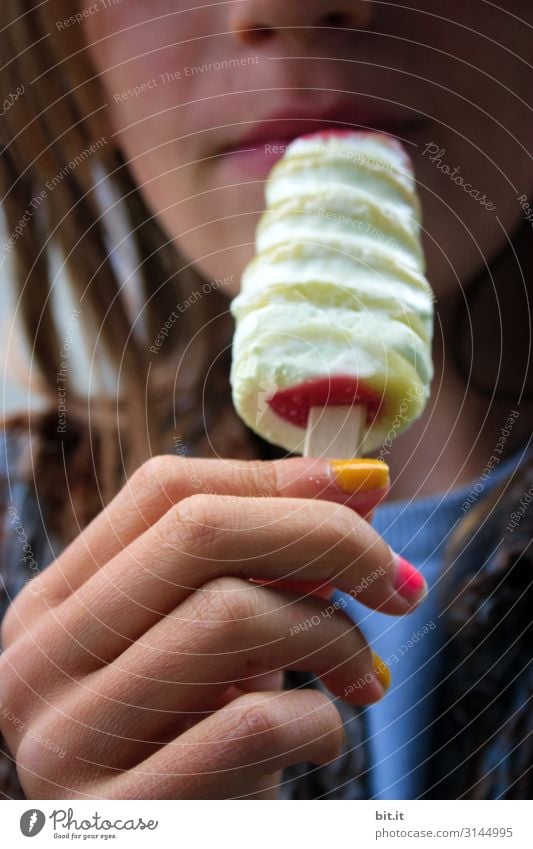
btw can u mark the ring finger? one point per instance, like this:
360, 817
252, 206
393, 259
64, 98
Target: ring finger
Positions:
207, 537
230, 633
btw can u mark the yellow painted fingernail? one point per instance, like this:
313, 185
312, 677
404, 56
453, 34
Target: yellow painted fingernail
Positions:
360, 475
381, 671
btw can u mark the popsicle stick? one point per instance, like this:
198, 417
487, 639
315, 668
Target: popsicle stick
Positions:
334, 431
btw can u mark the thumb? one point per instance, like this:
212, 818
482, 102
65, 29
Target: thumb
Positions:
360, 483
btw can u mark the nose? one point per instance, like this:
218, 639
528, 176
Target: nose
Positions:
255, 22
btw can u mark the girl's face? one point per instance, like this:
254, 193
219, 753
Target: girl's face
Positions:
203, 97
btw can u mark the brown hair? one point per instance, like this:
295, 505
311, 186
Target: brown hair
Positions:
59, 117
48, 133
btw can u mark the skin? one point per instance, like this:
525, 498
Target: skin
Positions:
452, 74
180, 665
173, 134
185, 655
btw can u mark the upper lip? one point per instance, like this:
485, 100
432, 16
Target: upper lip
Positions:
289, 124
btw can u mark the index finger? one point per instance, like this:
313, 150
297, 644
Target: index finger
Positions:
163, 481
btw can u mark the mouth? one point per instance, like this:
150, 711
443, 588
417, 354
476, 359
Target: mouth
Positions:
258, 148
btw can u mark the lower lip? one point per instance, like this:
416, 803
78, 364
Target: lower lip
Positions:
257, 159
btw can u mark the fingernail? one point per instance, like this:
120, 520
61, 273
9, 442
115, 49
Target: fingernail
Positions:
408, 581
381, 671
360, 475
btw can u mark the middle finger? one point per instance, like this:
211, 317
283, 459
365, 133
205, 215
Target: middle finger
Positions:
205, 537
228, 634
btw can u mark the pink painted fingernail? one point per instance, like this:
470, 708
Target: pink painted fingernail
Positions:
408, 581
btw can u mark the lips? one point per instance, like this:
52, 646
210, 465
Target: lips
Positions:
289, 124
258, 147
287, 129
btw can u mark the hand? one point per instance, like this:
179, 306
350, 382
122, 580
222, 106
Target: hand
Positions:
149, 656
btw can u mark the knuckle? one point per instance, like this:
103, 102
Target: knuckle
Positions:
334, 740
339, 530
257, 722
29, 755
349, 532
346, 522
32, 674
330, 743
15, 698
154, 474
228, 603
40, 768
25, 612
18, 676
198, 523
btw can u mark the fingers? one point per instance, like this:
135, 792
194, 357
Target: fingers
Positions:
229, 636
206, 537
232, 632
166, 480
228, 754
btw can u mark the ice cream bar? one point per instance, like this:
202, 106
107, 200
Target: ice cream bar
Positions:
334, 308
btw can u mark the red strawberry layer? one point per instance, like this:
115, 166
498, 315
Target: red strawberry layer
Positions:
293, 404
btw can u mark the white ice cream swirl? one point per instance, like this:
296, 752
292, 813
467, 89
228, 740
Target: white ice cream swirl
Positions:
337, 286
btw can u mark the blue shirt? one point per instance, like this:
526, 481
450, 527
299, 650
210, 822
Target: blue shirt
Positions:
400, 724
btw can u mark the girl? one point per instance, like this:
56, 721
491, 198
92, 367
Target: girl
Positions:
142, 662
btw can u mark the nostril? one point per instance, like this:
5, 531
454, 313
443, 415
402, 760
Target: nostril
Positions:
337, 20
255, 35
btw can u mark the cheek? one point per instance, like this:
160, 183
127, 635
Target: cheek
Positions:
214, 229
141, 52
213, 225
158, 122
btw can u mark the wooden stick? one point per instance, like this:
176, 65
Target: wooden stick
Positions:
335, 431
